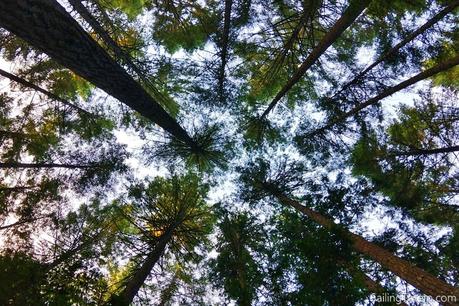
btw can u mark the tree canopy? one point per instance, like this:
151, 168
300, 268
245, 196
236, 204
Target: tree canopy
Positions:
233, 152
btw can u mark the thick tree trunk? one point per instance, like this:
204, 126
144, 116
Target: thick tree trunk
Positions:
443, 66
445, 11
49, 94
125, 297
97, 27
224, 49
420, 279
347, 18
47, 26
18, 165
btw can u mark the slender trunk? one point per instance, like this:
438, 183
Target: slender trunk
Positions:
347, 18
18, 165
20, 222
224, 49
445, 11
49, 94
125, 297
443, 66
426, 151
420, 279
47, 26
17, 188
102, 33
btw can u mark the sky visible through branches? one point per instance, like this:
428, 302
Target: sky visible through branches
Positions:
233, 152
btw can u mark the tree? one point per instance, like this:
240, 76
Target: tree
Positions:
169, 214
351, 13
275, 186
235, 268
100, 203
99, 65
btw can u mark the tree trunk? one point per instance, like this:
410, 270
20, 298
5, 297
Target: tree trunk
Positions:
420, 279
224, 49
97, 27
17, 165
347, 18
49, 94
443, 66
20, 222
445, 11
125, 297
47, 26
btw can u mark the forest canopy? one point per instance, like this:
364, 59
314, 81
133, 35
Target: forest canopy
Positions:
232, 152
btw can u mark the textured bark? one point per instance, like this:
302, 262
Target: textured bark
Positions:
224, 49
347, 18
97, 27
445, 11
443, 66
125, 297
49, 94
420, 279
47, 26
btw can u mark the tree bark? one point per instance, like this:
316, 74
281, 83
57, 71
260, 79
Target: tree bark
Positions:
224, 49
443, 66
420, 279
445, 11
347, 18
49, 94
47, 26
126, 296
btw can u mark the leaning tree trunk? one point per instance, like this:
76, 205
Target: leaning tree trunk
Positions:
420, 279
46, 25
443, 66
126, 296
392, 51
347, 18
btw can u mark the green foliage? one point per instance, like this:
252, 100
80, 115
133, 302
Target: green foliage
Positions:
77, 234
186, 25
22, 286
211, 151
235, 268
321, 262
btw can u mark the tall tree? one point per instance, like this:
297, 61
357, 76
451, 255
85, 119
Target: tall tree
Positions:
168, 214
84, 56
348, 17
263, 185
